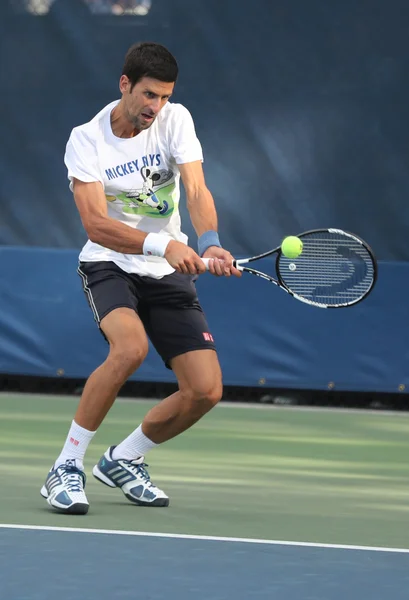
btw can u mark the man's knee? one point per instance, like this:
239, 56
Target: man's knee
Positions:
203, 396
128, 355
128, 344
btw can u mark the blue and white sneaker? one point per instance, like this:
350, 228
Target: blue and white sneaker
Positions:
132, 477
64, 489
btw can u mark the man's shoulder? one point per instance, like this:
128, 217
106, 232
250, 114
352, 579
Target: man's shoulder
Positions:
89, 131
174, 112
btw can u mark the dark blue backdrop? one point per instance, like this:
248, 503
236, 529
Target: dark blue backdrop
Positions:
301, 108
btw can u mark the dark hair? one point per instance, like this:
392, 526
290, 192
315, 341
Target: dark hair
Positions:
148, 59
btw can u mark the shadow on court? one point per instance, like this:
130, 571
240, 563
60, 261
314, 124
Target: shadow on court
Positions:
38, 565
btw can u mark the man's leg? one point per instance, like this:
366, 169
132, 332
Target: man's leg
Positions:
128, 348
200, 388
178, 329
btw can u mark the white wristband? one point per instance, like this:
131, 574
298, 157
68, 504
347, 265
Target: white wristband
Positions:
155, 244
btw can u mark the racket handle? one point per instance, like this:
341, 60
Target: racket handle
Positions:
207, 260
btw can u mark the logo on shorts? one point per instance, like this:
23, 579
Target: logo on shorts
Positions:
208, 337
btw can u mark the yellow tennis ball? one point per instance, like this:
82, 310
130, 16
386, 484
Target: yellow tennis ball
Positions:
291, 246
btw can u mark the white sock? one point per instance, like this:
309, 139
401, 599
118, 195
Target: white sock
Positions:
134, 446
75, 445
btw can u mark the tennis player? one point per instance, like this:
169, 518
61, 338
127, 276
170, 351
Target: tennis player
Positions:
137, 272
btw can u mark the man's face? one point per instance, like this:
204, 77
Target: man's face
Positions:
144, 102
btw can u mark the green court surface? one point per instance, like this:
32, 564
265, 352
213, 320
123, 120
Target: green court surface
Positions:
244, 471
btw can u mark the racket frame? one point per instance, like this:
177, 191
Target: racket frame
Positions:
239, 264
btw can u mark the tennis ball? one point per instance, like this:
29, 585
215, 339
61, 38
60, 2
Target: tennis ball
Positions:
291, 246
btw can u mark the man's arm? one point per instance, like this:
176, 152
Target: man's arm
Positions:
200, 201
109, 233
101, 229
203, 215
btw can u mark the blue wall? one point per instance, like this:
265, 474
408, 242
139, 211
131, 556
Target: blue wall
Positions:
301, 108
261, 332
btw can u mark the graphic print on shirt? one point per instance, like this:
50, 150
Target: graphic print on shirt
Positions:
154, 199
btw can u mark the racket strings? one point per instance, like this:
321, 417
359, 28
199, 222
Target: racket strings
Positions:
332, 269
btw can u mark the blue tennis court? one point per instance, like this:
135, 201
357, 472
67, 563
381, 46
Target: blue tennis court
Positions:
37, 564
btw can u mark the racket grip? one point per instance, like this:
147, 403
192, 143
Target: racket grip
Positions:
207, 260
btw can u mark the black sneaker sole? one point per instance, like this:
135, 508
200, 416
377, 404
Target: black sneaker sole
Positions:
157, 502
75, 509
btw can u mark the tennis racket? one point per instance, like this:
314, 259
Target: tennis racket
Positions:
336, 269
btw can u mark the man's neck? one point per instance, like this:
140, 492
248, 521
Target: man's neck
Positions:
120, 125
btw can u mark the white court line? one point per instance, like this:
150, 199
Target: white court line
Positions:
208, 538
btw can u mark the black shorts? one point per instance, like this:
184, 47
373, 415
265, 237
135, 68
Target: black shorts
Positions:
168, 308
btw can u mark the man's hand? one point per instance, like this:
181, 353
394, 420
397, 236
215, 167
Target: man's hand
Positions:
222, 263
183, 259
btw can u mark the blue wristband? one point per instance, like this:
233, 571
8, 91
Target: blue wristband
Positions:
207, 239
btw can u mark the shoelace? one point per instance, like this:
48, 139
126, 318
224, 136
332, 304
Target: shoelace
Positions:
140, 470
72, 478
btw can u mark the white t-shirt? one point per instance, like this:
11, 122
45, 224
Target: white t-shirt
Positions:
140, 177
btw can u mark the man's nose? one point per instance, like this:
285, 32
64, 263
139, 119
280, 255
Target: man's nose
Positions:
154, 105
